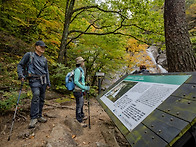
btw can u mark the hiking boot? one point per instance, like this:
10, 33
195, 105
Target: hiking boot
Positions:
32, 123
83, 124
42, 120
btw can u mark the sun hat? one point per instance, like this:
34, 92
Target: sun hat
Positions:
79, 60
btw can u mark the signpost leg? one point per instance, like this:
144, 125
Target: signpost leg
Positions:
99, 85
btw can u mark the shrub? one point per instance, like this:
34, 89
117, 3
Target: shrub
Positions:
9, 100
57, 77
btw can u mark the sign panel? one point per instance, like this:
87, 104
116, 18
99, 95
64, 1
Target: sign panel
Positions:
136, 96
100, 74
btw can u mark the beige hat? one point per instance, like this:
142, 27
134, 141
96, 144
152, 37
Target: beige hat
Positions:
79, 60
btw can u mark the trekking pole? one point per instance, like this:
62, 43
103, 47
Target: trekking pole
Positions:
22, 82
87, 97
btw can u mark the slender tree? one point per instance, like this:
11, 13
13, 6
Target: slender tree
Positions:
68, 15
180, 56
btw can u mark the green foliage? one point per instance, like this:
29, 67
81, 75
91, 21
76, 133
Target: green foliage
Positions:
9, 100
189, 3
62, 100
31, 20
10, 84
57, 76
99, 55
190, 16
93, 91
193, 40
144, 19
8, 75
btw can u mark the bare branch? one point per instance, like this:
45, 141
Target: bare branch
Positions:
76, 15
122, 16
119, 33
98, 28
84, 8
109, 11
148, 31
96, 6
42, 9
106, 33
78, 35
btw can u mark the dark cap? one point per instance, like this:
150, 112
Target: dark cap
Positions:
41, 43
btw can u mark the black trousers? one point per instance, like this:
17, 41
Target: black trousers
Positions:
79, 106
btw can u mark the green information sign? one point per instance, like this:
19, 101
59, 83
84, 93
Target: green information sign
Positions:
164, 79
133, 104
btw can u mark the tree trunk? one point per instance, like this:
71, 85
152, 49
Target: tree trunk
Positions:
63, 47
180, 56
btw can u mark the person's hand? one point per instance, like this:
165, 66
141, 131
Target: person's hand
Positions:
48, 87
88, 88
22, 79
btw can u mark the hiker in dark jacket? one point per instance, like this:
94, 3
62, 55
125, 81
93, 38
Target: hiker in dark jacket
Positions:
38, 77
79, 80
143, 70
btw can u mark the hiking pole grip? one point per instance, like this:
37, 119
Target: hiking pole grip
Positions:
22, 82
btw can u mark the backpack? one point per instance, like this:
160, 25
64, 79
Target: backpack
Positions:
28, 66
69, 80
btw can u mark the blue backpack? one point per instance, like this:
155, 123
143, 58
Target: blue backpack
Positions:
69, 80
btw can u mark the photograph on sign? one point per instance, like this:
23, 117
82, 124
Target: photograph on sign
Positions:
132, 101
119, 90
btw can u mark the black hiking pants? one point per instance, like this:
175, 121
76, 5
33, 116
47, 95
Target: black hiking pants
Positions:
79, 106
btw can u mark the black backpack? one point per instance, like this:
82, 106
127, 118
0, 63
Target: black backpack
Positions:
28, 65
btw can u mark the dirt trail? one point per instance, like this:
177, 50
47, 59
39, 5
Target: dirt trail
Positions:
62, 128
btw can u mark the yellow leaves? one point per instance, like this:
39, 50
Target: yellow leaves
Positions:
54, 42
72, 96
83, 19
93, 29
137, 54
62, 100
72, 45
29, 93
134, 46
73, 136
191, 10
22, 22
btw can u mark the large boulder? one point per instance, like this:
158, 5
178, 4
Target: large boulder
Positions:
60, 137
